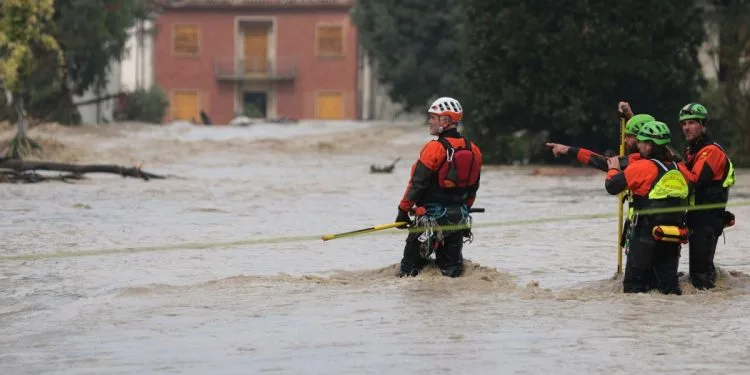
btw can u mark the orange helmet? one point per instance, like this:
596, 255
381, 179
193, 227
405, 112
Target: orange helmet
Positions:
446, 106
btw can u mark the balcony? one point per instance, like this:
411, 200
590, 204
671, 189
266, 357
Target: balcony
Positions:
255, 69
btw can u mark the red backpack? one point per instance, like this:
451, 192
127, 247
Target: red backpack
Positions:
460, 168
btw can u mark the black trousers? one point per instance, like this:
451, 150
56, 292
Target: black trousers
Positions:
448, 255
705, 230
651, 264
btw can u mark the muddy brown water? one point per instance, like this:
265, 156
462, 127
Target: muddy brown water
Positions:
536, 298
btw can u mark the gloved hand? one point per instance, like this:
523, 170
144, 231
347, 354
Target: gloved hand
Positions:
625, 111
728, 219
403, 216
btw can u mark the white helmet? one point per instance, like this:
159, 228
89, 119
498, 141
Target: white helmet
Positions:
446, 106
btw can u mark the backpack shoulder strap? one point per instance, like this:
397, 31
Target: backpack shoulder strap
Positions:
660, 164
447, 145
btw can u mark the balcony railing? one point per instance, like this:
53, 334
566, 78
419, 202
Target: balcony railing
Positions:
255, 69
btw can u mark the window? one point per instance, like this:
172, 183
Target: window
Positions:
186, 40
185, 105
330, 40
330, 105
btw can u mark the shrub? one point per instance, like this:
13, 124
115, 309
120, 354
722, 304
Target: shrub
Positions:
143, 105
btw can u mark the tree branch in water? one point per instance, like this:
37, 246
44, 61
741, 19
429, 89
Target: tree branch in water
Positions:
25, 171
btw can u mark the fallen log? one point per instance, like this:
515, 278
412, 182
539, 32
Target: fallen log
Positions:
13, 169
9, 176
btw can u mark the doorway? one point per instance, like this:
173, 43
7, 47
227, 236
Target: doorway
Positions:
254, 104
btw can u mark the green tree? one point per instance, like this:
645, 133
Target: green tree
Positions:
728, 97
562, 67
415, 45
91, 34
145, 105
104, 26
26, 43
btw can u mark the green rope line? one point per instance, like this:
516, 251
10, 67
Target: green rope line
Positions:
290, 239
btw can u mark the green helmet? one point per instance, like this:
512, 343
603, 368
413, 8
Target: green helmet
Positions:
655, 131
633, 125
694, 111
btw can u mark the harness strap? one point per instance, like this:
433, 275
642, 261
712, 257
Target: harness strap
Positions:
447, 145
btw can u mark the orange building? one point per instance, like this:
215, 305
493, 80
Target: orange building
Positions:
258, 58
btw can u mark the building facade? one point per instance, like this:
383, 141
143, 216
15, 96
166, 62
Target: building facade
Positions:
257, 58
136, 67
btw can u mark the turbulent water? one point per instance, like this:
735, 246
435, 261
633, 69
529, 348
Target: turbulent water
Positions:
112, 275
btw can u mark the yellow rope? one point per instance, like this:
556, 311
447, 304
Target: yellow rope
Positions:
317, 237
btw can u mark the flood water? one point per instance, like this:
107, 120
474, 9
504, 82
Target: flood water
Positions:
104, 276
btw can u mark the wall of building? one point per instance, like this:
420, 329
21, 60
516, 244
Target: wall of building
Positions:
294, 39
173, 72
102, 111
136, 68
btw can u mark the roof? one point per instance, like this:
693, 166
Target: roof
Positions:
207, 4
